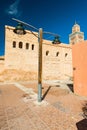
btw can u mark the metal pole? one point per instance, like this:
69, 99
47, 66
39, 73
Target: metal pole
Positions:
40, 65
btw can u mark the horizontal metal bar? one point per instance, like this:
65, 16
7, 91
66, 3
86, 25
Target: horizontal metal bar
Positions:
51, 33
25, 24
35, 27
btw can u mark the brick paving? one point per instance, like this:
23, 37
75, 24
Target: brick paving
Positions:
19, 109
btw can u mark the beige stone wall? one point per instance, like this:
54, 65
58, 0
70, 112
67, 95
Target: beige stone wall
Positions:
20, 58
56, 64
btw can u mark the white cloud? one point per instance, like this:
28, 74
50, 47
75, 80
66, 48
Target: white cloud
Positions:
13, 9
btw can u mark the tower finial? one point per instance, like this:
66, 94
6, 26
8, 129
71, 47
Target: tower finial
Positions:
75, 21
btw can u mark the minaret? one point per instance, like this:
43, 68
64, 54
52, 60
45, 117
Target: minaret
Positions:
76, 35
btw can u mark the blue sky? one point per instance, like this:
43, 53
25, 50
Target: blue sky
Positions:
56, 16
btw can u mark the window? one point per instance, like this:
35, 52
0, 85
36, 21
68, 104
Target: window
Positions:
57, 53
20, 44
66, 54
47, 52
27, 45
14, 44
32, 46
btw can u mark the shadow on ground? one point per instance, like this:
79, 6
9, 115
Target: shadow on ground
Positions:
70, 87
46, 92
55, 90
82, 125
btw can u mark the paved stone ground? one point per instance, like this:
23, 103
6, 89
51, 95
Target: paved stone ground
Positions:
59, 110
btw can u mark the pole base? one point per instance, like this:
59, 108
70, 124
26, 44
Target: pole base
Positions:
39, 92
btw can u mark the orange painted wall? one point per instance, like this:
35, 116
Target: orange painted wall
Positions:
79, 58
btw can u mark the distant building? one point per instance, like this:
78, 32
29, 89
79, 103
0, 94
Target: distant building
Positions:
21, 55
76, 36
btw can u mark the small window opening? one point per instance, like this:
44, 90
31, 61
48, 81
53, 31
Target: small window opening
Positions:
27, 45
66, 54
20, 44
32, 46
47, 53
57, 54
14, 44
